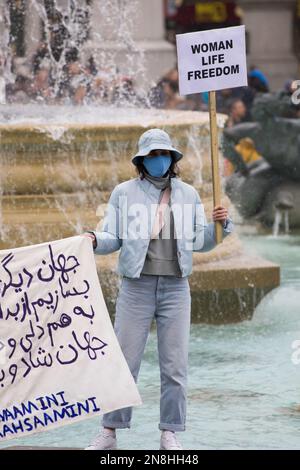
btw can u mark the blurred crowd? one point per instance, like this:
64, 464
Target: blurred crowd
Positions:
78, 83
72, 82
236, 102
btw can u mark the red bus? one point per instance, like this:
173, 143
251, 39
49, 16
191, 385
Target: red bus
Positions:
182, 16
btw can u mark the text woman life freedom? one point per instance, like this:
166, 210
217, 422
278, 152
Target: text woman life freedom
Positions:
216, 60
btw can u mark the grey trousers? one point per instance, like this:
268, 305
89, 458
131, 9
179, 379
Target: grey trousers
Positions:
168, 300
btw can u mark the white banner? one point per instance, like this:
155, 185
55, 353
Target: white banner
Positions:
211, 60
60, 361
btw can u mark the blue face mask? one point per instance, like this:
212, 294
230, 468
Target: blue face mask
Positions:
158, 165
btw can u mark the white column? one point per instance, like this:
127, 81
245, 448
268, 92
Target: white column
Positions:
149, 21
269, 24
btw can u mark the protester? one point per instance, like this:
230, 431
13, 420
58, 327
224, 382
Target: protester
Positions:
155, 264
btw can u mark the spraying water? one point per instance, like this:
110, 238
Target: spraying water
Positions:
70, 59
6, 75
70, 51
281, 216
283, 204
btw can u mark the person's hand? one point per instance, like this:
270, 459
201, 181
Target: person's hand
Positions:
92, 236
220, 214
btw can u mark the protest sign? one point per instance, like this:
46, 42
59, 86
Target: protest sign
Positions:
60, 359
209, 61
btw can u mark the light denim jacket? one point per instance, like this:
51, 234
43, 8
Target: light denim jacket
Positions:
140, 196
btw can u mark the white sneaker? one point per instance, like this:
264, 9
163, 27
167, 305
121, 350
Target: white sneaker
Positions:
106, 440
168, 441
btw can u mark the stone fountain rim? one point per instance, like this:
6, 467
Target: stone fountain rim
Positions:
167, 118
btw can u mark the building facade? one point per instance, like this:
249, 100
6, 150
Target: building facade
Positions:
272, 29
272, 42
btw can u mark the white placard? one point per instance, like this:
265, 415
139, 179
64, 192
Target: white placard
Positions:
211, 60
60, 359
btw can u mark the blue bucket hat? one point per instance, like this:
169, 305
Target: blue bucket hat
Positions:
155, 139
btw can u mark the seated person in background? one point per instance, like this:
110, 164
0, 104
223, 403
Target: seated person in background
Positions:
237, 113
79, 82
226, 97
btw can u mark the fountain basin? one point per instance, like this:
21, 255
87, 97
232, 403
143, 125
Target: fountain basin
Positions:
59, 171
225, 288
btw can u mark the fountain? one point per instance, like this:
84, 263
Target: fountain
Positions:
60, 162
268, 193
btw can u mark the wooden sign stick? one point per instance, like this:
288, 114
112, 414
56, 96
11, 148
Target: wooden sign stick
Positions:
215, 160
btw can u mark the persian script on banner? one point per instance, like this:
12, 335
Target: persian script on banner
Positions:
60, 361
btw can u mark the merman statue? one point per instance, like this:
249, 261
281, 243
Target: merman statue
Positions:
262, 161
